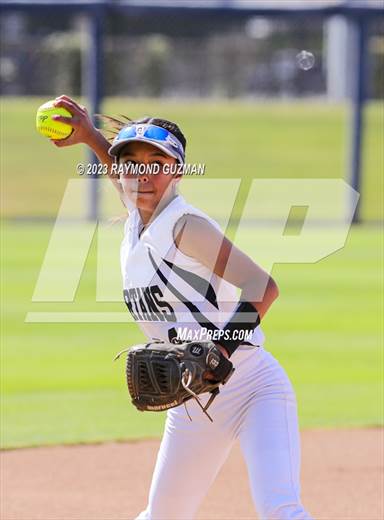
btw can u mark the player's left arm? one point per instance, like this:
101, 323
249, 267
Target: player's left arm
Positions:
198, 238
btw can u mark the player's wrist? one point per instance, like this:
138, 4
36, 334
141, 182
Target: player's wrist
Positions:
95, 139
243, 322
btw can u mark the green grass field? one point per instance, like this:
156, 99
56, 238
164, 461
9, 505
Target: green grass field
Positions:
59, 384
234, 139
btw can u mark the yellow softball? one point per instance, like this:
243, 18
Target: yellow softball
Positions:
49, 127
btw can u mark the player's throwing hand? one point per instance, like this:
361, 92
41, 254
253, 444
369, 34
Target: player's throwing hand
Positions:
83, 128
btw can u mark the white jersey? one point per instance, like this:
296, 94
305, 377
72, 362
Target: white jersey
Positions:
171, 295
167, 291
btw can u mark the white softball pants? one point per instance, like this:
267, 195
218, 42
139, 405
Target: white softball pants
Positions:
257, 406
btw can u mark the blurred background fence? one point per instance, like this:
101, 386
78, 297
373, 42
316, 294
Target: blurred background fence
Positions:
250, 57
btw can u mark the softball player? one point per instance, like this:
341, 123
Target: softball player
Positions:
179, 272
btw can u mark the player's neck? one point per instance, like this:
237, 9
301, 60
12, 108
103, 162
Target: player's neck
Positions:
148, 216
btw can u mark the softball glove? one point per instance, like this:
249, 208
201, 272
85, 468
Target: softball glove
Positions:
164, 375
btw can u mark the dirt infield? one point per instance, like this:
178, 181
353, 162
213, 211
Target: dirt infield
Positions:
342, 478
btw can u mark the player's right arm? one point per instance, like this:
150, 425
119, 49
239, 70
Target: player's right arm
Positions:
85, 132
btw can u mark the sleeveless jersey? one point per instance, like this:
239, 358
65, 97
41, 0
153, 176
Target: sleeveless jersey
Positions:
173, 296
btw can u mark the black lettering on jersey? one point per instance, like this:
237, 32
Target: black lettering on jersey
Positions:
146, 304
144, 310
129, 304
170, 315
133, 299
152, 307
140, 309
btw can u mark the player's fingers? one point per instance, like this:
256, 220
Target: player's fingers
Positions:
60, 143
64, 102
63, 142
63, 96
74, 121
71, 105
70, 100
67, 99
63, 119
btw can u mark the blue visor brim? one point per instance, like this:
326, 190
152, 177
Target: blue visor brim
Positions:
116, 148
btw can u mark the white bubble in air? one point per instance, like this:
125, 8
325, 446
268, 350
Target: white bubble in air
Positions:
305, 60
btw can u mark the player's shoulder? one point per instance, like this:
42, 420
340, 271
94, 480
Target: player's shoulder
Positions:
192, 220
193, 226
